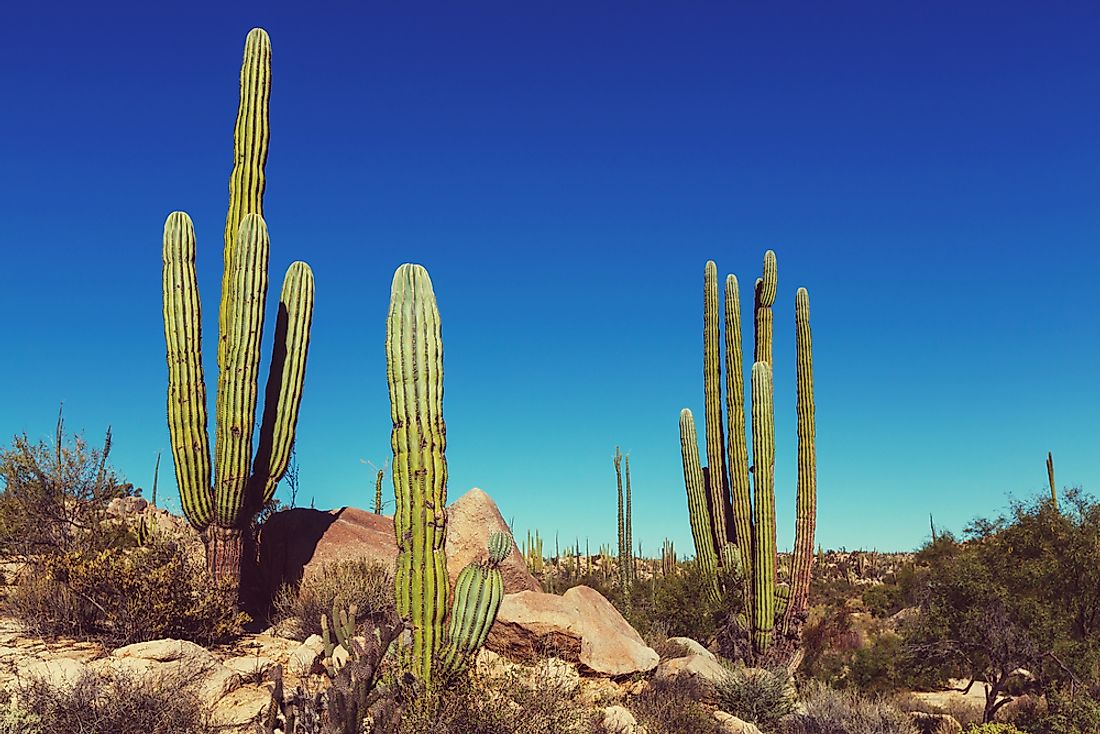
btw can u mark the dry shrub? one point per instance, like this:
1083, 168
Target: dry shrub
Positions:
124, 595
365, 583
757, 695
106, 703
828, 711
667, 707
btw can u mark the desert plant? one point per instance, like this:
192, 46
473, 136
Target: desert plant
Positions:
365, 584
479, 590
223, 509
112, 703
758, 695
994, 728
734, 527
669, 707
828, 711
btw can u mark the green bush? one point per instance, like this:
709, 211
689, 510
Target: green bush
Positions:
757, 695
124, 595
828, 711
1064, 714
994, 728
366, 584
883, 600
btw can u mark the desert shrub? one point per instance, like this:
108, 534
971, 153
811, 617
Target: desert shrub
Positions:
667, 707
108, 703
1063, 714
364, 583
505, 705
757, 695
125, 595
883, 600
993, 728
828, 711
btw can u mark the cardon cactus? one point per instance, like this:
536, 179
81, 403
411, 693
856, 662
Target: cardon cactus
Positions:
479, 590
414, 358
221, 501
733, 520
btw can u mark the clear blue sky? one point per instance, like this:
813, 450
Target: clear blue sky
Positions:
930, 171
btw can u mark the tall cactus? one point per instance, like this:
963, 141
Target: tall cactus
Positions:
221, 506
733, 520
618, 461
629, 522
1050, 478
414, 358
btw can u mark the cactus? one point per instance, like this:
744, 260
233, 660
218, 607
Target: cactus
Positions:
479, 590
629, 532
414, 357
532, 553
343, 626
144, 530
378, 492
221, 509
733, 523
617, 460
668, 558
1050, 478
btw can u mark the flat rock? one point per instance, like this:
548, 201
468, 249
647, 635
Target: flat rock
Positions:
59, 674
238, 712
294, 542
730, 724
691, 647
580, 627
701, 673
176, 663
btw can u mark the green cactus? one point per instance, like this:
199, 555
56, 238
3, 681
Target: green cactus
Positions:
414, 358
378, 492
1050, 478
221, 502
733, 523
479, 590
629, 532
343, 626
668, 558
532, 553
617, 460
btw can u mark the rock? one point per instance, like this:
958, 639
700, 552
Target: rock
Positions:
126, 506
936, 723
294, 542
307, 657
469, 521
701, 673
579, 627
250, 667
59, 674
691, 647
619, 720
238, 712
556, 674
730, 724
175, 663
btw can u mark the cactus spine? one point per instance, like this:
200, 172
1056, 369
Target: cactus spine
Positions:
733, 522
222, 508
414, 357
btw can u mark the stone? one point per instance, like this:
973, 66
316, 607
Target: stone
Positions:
580, 627
238, 712
59, 673
307, 658
691, 647
176, 663
699, 672
556, 674
619, 720
250, 667
294, 542
730, 724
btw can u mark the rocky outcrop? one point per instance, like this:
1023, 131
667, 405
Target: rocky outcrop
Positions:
296, 541
580, 626
730, 724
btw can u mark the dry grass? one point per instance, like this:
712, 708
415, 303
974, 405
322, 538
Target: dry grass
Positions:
367, 584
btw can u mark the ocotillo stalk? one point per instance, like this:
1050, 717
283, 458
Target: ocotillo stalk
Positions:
414, 359
763, 460
629, 544
717, 485
1050, 477
618, 459
378, 492
740, 490
698, 512
805, 519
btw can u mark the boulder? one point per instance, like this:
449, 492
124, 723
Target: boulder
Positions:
619, 720
730, 724
701, 673
579, 627
238, 712
691, 647
308, 657
59, 673
175, 663
294, 542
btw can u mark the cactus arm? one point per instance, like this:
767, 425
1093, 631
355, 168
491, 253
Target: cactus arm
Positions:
285, 381
698, 512
478, 593
250, 139
805, 519
414, 352
763, 459
720, 508
740, 491
187, 419
764, 297
237, 380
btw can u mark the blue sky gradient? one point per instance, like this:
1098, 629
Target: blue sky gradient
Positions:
930, 172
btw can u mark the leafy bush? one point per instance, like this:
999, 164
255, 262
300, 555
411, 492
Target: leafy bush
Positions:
366, 584
106, 703
1064, 714
757, 695
828, 711
667, 707
125, 595
883, 600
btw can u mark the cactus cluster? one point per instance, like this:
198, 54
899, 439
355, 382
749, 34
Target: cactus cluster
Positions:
532, 553
626, 552
668, 558
733, 522
414, 358
220, 497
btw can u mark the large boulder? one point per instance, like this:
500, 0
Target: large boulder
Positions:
580, 626
699, 673
173, 663
294, 542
